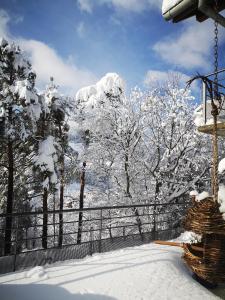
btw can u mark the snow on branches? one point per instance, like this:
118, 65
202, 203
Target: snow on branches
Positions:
46, 159
143, 146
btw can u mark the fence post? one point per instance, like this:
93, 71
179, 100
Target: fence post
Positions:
34, 232
154, 222
16, 240
91, 240
100, 233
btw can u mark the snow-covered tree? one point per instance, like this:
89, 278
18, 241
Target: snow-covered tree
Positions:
53, 154
20, 102
176, 156
60, 110
114, 127
142, 149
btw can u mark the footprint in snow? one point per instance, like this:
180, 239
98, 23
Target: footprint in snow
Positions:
37, 273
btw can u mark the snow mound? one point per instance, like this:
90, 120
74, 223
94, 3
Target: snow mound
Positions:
202, 196
37, 273
221, 199
221, 166
189, 237
193, 193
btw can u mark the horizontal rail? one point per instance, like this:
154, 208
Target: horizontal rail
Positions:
103, 228
88, 242
33, 213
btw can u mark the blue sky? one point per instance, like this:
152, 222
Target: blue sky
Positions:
78, 41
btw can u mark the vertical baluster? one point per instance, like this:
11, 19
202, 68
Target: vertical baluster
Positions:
16, 240
91, 240
100, 233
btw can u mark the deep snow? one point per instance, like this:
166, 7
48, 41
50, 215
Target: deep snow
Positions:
146, 272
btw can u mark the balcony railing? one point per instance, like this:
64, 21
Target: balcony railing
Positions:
74, 233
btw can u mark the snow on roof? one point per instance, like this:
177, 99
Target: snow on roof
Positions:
199, 119
168, 4
146, 272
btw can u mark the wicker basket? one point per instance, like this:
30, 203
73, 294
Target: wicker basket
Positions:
208, 262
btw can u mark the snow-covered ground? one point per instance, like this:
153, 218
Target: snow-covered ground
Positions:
150, 272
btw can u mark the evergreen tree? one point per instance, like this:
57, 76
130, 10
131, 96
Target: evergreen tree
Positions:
19, 100
59, 108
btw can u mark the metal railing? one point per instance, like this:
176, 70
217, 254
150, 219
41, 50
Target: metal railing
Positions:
102, 229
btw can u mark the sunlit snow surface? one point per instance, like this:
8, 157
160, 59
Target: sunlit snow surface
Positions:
146, 272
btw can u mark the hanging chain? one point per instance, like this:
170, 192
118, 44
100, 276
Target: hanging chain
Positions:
216, 53
215, 112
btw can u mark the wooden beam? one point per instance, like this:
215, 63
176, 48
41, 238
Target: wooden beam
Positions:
180, 245
166, 243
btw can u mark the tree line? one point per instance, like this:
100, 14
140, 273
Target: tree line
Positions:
141, 148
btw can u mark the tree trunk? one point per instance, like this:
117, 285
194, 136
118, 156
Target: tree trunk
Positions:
10, 192
139, 224
80, 221
157, 189
45, 220
138, 219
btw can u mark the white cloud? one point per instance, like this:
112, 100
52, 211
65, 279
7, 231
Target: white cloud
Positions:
85, 5
81, 29
18, 19
47, 62
155, 3
127, 5
4, 19
190, 49
155, 77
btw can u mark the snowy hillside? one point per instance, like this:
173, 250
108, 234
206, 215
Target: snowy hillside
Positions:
147, 272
